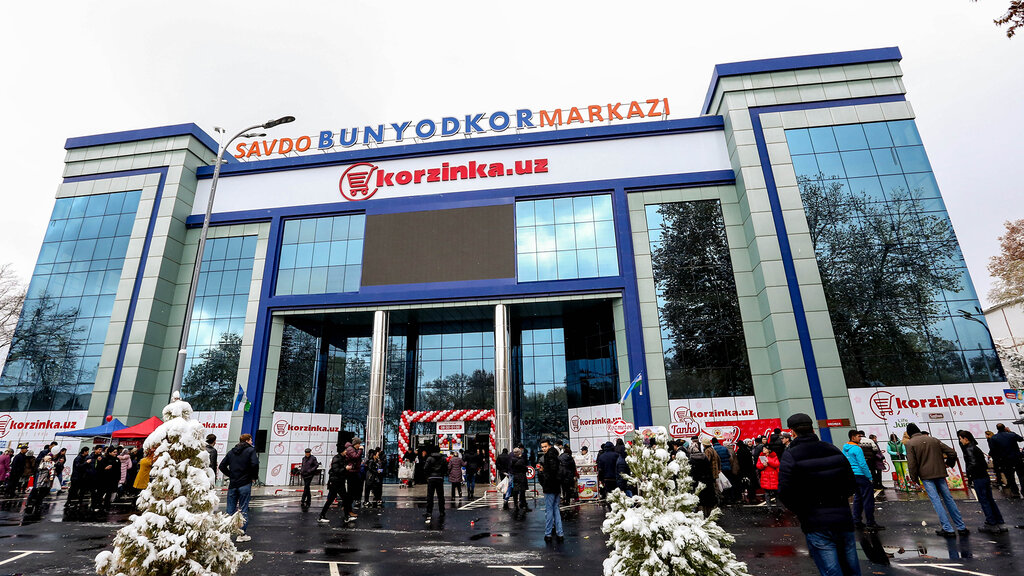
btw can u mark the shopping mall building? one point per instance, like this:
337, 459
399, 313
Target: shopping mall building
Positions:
784, 249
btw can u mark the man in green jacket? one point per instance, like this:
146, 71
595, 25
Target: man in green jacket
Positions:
927, 459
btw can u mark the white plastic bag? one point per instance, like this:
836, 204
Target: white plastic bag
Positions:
504, 485
722, 483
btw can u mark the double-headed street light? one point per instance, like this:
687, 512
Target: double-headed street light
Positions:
179, 365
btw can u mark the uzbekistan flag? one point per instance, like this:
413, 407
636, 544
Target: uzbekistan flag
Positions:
636, 384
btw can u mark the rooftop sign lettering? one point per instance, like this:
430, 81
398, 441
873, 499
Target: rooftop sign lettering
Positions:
465, 125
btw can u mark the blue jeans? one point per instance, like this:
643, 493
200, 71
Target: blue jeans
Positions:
470, 482
983, 488
238, 499
942, 500
834, 552
552, 515
864, 500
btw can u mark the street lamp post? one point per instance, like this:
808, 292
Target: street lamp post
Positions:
179, 365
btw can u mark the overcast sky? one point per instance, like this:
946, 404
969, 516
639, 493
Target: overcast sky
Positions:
79, 68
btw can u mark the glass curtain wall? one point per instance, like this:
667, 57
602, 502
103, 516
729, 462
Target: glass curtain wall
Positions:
565, 238
902, 304
325, 368
563, 356
218, 319
698, 309
59, 338
321, 255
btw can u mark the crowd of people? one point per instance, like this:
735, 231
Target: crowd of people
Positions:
814, 479
95, 478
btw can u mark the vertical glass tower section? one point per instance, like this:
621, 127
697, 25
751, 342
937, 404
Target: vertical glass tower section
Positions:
218, 318
901, 301
59, 338
698, 308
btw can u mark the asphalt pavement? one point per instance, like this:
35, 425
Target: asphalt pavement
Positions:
479, 537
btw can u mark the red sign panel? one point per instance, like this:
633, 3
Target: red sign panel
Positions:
727, 431
834, 423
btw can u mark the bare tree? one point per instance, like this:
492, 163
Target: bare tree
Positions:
12, 296
1014, 16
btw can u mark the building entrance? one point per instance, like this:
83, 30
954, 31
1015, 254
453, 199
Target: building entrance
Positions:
391, 376
410, 416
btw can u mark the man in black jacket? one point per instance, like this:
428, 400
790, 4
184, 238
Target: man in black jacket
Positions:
335, 484
78, 488
211, 449
815, 482
1007, 457
551, 482
307, 470
567, 467
17, 469
502, 463
435, 470
242, 466
606, 476
474, 462
517, 470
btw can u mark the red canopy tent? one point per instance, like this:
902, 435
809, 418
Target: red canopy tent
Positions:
141, 430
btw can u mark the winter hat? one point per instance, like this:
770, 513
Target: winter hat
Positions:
705, 441
356, 441
913, 429
800, 422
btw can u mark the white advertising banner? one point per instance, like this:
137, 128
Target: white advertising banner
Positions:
591, 426
942, 409
451, 428
291, 433
698, 411
217, 423
37, 428
482, 170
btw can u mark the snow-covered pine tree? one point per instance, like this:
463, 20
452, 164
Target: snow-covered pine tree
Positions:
661, 531
178, 531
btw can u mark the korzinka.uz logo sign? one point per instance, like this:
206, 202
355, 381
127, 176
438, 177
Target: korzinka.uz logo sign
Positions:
884, 403
361, 181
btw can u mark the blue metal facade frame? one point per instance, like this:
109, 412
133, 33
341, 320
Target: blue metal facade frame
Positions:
139, 273
798, 63
786, 251
625, 283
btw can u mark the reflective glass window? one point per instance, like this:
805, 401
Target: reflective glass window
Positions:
799, 141
887, 239
698, 308
561, 238
321, 255
71, 294
215, 335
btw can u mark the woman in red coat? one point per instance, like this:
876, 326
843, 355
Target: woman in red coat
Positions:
768, 464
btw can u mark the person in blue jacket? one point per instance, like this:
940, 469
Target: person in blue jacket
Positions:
864, 497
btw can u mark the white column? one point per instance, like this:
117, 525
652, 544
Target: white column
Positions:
502, 384
378, 366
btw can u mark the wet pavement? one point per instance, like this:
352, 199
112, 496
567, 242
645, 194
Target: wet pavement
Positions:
479, 536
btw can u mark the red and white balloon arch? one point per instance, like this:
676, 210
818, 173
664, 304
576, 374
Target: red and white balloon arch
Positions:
410, 416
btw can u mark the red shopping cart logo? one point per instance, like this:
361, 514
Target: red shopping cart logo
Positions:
355, 182
882, 404
5, 424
